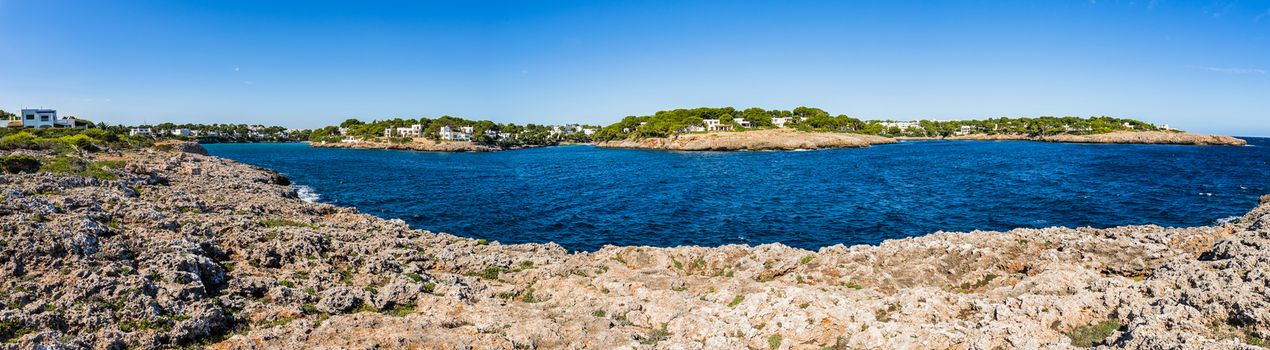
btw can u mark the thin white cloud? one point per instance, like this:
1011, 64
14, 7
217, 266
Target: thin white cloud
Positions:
1231, 70
235, 69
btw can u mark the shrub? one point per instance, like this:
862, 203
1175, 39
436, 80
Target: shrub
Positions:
13, 329
774, 341
736, 301
19, 164
1087, 336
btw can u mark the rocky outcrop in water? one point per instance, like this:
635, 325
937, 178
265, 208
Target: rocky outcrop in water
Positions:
180, 249
769, 139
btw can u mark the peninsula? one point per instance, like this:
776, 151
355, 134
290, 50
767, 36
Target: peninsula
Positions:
104, 244
730, 129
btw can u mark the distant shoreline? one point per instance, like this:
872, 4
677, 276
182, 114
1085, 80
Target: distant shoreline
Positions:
788, 139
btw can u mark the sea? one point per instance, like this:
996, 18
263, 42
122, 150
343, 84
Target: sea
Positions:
585, 197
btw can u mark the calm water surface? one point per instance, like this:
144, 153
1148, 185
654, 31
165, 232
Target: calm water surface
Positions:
583, 197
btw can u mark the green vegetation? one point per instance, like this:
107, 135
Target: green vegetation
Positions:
598, 313
677, 121
736, 301
401, 309
278, 222
806, 259
967, 287
1088, 336
483, 131
19, 164
12, 330
774, 341
655, 335
100, 170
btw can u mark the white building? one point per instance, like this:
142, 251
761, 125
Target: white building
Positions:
966, 130
449, 134
140, 131
716, 125
742, 122
903, 126
781, 121
692, 128
181, 132
591, 131
39, 118
415, 130
46, 118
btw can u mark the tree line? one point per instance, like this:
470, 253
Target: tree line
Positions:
483, 131
671, 122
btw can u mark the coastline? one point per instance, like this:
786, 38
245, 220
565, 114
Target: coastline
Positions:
226, 253
416, 145
770, 139
1124, 137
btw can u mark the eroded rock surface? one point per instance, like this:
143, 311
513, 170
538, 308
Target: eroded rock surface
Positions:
186, 249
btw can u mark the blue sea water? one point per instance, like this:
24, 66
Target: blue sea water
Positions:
583, 197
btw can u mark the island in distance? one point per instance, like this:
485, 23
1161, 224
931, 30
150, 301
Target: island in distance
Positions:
729, 129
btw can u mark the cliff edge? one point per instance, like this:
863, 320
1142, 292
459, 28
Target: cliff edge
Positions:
170, 248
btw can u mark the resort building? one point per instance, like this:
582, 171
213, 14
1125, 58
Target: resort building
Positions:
140, 131
591, 131
181, 132
742, 122
781, 121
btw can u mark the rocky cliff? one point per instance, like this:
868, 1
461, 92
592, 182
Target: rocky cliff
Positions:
176, 248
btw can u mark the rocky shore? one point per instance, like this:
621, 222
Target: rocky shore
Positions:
418, 144
1123, 137
770, 139
175, 248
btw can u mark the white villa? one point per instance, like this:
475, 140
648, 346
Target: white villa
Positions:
415, 130
449, 134
181, 132
45, 118
692, 128
716, 125
742, 122
903, 126
966, 130
781, 121
140, 131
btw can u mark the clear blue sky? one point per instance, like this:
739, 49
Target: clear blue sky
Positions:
1198, 65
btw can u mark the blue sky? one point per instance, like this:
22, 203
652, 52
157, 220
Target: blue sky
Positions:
1198, 65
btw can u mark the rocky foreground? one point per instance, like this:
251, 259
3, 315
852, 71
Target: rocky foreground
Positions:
768, 139
418, 144
182, 249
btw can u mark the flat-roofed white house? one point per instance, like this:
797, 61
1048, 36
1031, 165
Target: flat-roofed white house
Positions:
140, 131
781, 121
692, 128
967, 130
742, 122
903, 126
716, 125
46, 118
181, 132
415, 130
449, 134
